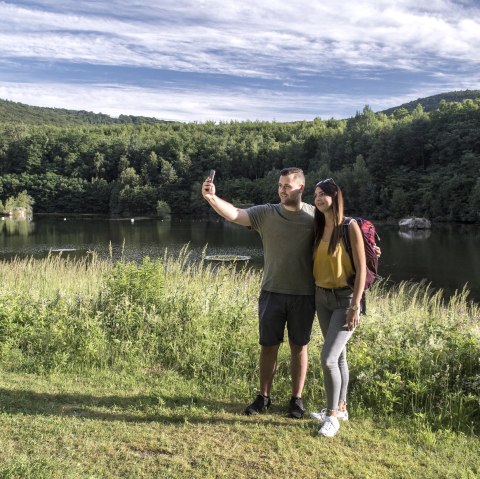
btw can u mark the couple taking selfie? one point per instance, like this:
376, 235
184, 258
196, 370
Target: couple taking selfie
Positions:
307, 268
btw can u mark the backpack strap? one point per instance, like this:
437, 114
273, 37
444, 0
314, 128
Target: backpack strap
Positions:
347, 221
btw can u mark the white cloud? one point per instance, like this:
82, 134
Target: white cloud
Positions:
217, 105
172, 104
246, 38
290, 42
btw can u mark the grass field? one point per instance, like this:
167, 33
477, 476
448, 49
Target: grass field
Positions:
159, 425
123, 370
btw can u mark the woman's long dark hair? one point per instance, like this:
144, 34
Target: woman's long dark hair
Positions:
330, 188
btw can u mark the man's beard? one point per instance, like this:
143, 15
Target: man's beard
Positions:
295, 201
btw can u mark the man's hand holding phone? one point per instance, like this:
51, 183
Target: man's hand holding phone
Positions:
208, 187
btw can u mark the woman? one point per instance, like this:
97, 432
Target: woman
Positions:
337, 304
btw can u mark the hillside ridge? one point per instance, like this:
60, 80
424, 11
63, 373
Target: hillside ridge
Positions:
11, 111
431, 103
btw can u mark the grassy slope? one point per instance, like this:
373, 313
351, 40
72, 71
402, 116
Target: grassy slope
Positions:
160, 425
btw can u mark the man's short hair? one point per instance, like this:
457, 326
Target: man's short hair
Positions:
293, 170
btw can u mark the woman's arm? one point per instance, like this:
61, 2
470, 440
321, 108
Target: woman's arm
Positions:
359, 261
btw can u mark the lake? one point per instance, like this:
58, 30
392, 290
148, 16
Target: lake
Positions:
448, 256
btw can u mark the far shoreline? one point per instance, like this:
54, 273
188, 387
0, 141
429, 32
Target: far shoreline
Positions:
210, 216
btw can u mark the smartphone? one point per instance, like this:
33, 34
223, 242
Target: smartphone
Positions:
212, 174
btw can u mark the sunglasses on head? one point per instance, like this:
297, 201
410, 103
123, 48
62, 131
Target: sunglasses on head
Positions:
326, 181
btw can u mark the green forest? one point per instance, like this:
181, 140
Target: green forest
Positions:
413, 160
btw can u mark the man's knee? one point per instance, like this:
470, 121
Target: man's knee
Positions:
270, 350
296, 349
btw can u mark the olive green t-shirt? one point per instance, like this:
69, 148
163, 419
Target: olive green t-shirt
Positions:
287, 238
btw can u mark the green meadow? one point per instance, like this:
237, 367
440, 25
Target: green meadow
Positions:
124, 370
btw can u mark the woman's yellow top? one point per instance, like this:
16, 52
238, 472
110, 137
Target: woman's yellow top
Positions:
332, 271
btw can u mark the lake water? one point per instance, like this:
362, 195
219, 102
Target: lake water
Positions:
447, 256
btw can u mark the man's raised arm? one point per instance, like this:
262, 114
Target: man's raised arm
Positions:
222, 207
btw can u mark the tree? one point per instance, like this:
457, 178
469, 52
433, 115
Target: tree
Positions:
163, 210
123, 164
149, 171
401, 113
98, 163
364, 187
400, 205
167, 172
129, 177
474, 201
10, 205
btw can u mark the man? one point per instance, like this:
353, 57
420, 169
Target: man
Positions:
287, 295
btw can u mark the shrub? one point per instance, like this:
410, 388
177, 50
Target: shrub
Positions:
163, 210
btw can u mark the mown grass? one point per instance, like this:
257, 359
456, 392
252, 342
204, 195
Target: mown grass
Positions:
162, 425
124, 370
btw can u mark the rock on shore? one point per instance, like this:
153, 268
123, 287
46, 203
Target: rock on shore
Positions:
415, 224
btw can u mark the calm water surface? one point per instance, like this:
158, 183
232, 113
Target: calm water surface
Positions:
448, 257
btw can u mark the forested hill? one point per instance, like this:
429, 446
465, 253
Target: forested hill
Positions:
407, 163
19, 112
431, 103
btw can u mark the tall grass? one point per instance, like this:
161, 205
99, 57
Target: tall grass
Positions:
44, 279
195, 318
415, 353
419, 354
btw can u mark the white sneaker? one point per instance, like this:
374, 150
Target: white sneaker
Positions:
330, 427
321, 416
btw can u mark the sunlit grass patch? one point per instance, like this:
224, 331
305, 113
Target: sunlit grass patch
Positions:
131, 425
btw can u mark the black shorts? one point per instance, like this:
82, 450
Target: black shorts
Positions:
276, 309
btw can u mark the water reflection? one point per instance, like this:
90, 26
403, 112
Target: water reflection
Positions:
415, 234
448, 258
11, 227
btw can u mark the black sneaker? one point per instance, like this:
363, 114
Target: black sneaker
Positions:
261, 404
295, 408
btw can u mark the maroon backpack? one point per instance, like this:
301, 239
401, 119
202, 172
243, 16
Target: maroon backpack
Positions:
370, 238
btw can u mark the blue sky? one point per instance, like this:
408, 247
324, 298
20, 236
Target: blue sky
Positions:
223, 60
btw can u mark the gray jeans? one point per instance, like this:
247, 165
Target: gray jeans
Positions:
331, 308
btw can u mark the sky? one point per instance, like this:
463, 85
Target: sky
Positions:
224, 60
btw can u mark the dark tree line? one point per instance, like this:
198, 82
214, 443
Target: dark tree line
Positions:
409, 162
